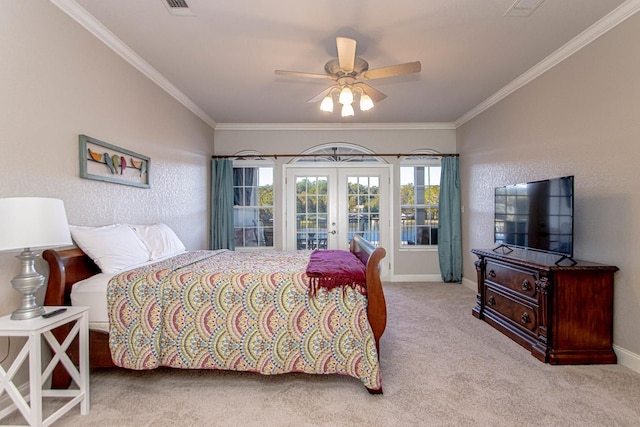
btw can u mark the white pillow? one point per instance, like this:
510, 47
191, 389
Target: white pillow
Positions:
160, 239
113, 247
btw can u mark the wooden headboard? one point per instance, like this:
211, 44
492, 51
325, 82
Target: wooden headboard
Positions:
66, 267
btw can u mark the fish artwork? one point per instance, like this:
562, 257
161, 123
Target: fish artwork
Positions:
123, 164
143, 168
109, 162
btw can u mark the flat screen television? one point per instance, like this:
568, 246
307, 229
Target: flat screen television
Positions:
536, 215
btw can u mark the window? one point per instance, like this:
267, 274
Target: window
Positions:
252, 204
419, 197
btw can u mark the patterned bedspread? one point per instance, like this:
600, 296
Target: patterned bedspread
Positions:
245, 311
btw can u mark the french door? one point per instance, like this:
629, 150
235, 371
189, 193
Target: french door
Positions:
326, 206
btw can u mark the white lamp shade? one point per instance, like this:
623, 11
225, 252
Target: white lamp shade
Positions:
366, 103
347, 110
32, 222
346, 96
327, 104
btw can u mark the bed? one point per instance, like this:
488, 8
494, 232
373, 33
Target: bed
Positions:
247, 311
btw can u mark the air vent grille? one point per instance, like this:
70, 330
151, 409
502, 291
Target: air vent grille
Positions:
523, 8
177, 3
178, 7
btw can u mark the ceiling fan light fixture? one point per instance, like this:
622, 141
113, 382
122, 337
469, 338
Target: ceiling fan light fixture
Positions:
366, 103
346, 96
347, 110
349, 73
327, 104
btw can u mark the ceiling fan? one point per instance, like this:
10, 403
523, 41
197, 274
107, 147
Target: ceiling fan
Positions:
348, 71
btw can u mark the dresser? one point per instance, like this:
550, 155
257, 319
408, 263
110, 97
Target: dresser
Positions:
562, 313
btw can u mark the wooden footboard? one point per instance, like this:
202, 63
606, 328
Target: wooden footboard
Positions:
68, 266
377, 307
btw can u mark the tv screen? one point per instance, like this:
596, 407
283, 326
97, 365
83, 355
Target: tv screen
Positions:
536, 215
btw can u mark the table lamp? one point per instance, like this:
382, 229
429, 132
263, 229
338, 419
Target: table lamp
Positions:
26, 223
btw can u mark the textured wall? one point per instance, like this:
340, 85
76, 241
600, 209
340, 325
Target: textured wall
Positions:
59, 81
580, 118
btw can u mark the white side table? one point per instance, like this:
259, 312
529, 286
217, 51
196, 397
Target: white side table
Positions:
33, 330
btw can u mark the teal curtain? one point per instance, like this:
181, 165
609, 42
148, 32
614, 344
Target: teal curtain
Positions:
222, 234
450, 223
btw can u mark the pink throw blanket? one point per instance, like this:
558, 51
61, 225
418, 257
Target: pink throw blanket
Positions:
330, 269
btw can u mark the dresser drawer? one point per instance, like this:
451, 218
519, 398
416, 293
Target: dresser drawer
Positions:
520, 280
520, 314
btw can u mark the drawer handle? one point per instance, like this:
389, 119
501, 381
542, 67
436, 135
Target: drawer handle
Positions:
492, 273
491, 301
526, 285
524, 319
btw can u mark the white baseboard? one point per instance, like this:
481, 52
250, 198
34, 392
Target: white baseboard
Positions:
467, 283
471, 284
627, 358
416, 278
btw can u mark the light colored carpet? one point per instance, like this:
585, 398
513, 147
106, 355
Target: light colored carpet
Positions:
440, 366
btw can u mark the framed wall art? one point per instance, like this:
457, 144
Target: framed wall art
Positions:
105, 162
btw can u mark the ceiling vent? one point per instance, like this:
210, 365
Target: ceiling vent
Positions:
178, 7
523, 8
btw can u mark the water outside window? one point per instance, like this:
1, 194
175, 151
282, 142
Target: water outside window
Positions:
363, 201
419, 199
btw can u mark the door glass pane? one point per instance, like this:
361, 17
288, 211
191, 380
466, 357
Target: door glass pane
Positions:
311, 212
363, 203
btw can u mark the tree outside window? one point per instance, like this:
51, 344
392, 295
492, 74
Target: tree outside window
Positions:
419, 199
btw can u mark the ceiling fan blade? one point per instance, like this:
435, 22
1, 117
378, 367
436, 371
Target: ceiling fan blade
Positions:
346, 53
393, 70
375, 94
321, 95
301, 74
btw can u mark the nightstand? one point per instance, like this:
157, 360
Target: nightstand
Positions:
34, 330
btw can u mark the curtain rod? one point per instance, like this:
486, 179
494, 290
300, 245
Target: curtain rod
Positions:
275, 156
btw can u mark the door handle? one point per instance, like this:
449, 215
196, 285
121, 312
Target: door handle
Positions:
333, 232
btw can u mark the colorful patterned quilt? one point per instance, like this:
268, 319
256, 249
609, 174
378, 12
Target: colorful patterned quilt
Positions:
245, 311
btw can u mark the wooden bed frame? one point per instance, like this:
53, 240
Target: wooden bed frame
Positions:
68, 266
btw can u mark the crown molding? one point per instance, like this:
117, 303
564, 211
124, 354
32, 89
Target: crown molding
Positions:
95, 27
608, 22
335, 126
